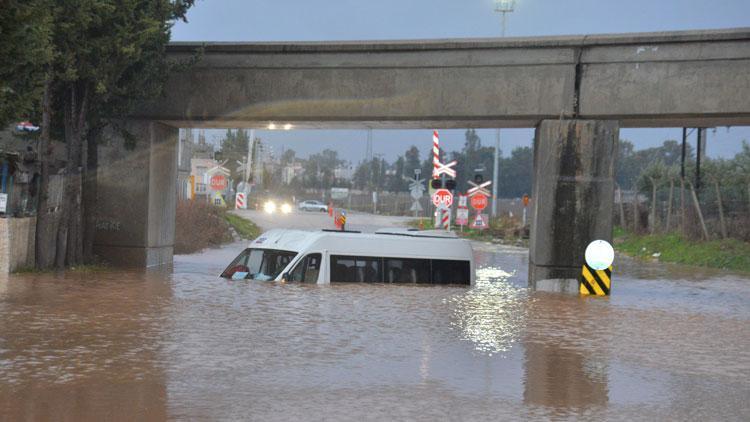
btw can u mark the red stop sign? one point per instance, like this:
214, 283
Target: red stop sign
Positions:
478, 201
218, 182
442, 197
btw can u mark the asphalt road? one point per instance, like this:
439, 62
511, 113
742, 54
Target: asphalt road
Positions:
311, 220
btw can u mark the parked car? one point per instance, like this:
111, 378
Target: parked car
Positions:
312, 206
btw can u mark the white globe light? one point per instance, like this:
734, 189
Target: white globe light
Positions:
599, 255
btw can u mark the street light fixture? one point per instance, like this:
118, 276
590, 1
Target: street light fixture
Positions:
504, 7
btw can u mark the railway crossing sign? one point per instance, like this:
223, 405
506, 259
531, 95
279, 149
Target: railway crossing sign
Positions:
479, 188
479, 202
240, 202
442, 197
445, 169
416, 188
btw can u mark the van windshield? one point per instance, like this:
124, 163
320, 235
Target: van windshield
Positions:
259, 264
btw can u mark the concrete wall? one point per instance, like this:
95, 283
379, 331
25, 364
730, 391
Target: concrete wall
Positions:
136, 198
661, 79
17, 243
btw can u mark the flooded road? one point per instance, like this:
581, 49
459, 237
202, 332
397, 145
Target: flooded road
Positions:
670, 343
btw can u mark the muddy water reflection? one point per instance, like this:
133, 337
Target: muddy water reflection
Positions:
152, 346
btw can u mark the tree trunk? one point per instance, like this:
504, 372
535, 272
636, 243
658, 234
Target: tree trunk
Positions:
722, 223
653, 205
70, 236
44, 251
669, 205
636, 215
682, 206
89, 194
623, 224
699, 212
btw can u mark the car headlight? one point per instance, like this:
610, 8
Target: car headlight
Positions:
286, 208
269, 207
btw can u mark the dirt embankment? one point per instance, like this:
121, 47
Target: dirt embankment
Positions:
198, 226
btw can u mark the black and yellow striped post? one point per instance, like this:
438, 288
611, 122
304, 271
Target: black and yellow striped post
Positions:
342, 221
595, 282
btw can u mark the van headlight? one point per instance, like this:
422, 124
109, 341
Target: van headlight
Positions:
286, 208
269, 207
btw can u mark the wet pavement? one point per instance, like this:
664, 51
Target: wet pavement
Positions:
671, 343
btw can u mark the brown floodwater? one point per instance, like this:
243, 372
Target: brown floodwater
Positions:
671, 343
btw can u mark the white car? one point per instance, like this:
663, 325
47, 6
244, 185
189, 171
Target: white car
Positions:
312, 206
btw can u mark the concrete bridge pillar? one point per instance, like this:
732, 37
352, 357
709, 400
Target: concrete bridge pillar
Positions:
574, 162
136, 195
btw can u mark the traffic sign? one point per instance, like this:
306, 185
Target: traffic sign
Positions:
479, 201
446, 169
462, 216
480, 222
462, 201
240, 203
416, 188
479, 188
526, 200
218, 182
442, 197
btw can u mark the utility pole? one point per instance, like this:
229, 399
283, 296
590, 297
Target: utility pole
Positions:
250, 143
496, 173
503, 7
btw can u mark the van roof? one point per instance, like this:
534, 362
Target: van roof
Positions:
435, 244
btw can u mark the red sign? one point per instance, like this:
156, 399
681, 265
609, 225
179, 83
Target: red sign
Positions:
478, 201
442, 197
218, 182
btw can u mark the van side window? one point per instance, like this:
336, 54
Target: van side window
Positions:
404, 270
307, 269
450, 272
359, 269
356, 269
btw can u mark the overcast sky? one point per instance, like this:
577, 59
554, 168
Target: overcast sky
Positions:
321, 20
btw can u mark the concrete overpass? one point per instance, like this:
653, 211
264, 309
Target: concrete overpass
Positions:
576, 90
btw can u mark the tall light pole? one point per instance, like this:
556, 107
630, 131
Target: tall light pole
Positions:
503, 7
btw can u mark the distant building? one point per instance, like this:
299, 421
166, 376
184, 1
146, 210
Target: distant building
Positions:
344, 172
290, 171
199, 168
185, 148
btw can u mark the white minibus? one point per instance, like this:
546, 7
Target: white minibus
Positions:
331, 256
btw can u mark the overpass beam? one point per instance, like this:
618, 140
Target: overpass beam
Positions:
136, 195
574, 162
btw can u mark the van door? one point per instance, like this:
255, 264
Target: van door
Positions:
307, 269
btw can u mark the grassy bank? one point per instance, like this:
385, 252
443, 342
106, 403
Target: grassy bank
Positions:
729, 254
244, 227
200, 225
501, 230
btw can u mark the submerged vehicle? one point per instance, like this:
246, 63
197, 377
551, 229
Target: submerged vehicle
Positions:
331, 256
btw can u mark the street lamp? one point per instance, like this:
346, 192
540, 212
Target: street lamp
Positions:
504, 7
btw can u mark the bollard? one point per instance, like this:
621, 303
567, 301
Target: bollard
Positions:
596, 274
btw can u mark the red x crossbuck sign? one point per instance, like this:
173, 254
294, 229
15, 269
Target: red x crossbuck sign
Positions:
479, 188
